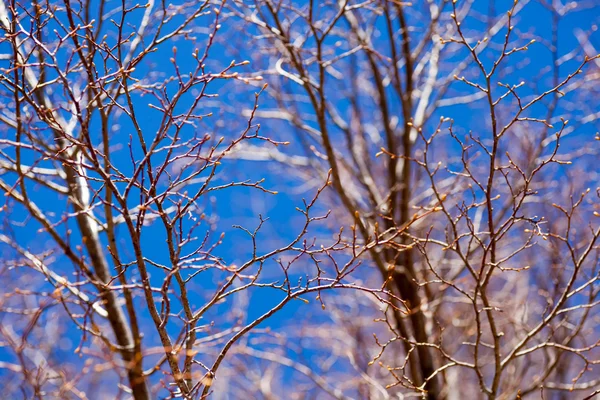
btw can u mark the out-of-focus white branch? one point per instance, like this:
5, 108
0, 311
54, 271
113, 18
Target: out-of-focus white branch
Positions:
39, 266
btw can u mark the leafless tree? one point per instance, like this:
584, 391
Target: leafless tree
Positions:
126, 248
478, 113
447, 248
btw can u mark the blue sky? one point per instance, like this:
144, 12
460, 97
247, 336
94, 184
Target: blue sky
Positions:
241, 206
